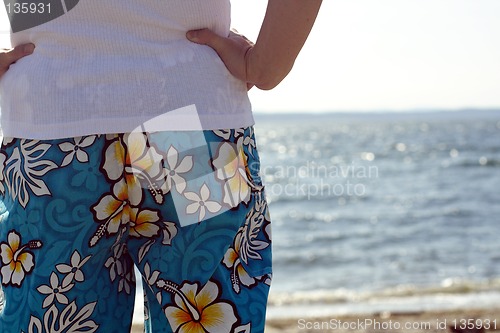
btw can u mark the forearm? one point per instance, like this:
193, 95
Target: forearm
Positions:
286, 26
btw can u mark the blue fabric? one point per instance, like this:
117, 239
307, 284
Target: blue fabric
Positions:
187, 208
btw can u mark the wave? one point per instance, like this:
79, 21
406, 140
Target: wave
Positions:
449, 286
450, 296
481, 162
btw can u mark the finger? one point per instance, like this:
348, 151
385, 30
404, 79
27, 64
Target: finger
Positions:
16, 53
207, 37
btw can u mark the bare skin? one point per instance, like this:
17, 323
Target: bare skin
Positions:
8, 57
286, 26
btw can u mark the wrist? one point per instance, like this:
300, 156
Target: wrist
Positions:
260, 70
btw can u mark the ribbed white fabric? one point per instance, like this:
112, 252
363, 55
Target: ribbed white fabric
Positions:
108, 66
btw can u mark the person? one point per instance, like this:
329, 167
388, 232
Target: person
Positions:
129, 140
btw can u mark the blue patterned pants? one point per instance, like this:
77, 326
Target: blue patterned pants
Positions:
187, 208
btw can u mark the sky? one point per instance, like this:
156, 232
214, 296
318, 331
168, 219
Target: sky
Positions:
389, 55
385, 55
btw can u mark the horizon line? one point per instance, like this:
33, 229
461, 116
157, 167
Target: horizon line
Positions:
379, 111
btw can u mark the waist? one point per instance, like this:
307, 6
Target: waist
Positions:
47, 88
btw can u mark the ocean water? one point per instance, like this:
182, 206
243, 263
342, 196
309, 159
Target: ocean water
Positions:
383, 212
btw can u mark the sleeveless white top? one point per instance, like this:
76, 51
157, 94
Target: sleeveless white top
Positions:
112, 66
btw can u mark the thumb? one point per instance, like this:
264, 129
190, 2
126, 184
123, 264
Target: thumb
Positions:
20, 51
206, 37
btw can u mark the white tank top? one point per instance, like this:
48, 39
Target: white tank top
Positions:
111, 66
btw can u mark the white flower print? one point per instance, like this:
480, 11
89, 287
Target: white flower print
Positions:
246, 246
144, 249
201, 203
174, 168
169, 232
249, 140
70, 320
114, 263
75, 148
150, 278
239, 132
121, 266
73, 271
126, 281
268, 279
232, 260
223, 133
244, 328
23, 169
250, 245
55, 290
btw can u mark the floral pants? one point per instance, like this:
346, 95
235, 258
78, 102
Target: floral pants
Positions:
187, 208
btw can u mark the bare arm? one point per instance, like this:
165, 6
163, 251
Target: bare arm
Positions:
284, 31
286, 26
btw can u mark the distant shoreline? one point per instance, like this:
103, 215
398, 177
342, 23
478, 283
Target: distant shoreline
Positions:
462, 112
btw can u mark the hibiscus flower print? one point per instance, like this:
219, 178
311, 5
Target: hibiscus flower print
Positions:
144, 223
16, 260
247, 245
231, 168
141, 163
232, 261
113, 210
145, 163
198, 310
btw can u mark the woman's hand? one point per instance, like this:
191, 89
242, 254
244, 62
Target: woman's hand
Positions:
233, 51
8, 57
286, 25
